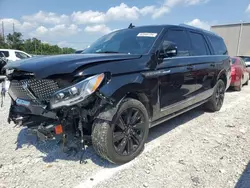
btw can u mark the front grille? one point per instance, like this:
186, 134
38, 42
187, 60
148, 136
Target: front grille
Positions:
33, 89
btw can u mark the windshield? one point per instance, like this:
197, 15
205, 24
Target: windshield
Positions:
129, 41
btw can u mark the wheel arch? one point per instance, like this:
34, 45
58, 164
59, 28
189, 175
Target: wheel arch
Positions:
127, 87
223, 76
142, 97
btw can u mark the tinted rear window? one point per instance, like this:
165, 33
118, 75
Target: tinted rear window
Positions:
198, 44
218, 45
234, 60
5, 53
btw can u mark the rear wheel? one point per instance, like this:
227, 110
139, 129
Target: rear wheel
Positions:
123, 139
216, 101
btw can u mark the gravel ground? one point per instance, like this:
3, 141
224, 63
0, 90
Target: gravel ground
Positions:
196, 149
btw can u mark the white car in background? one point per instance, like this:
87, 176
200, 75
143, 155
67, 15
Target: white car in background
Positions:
246, 59
14, 55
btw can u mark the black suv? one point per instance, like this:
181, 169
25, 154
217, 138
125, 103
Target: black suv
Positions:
123, 84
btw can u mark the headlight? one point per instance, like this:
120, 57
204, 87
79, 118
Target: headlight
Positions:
76, 93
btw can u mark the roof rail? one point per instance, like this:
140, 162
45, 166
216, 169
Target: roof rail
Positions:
196, 28
188, 26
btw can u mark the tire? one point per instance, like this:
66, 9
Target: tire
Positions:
238, 88
216, 101
105, 133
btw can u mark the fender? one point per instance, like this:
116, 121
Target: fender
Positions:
118, 89
109, 111
223, 71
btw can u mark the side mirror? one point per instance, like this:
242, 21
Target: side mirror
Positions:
168, 49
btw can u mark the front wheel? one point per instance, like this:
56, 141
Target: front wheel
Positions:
216, 101
122, 139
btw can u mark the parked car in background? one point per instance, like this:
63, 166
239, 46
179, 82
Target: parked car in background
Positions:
3, 62
14, 55
239, 73
246, 59
123, 84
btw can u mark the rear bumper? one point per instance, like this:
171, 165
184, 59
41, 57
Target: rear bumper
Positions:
235, 80
235, 83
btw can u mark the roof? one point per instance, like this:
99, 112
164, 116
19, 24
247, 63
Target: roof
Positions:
12, 50
180, 25
7, 49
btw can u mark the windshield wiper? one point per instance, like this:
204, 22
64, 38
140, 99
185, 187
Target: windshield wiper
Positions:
108, 52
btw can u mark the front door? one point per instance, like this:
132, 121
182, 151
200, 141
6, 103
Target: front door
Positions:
177, 84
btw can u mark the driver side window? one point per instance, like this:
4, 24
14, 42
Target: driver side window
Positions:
112, 46
180, 38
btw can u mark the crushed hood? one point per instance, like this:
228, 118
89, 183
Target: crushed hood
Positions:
46, 66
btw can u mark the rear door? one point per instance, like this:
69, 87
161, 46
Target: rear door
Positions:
178, 83
204, 63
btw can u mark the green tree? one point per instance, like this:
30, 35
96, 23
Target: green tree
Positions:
2, 42
15, 41
32, 46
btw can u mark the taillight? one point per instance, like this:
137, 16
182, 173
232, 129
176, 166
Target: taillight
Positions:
233, 70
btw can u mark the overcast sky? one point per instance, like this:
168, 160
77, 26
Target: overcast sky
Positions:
77, 23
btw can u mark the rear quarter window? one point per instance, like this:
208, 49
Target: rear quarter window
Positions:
5, 53
218, 45
235, 60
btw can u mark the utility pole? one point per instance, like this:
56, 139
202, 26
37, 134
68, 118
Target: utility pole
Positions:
239, 39
13, 28
13, 35
3, 31
35, 47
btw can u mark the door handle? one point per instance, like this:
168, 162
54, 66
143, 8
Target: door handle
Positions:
212, 65
190, 67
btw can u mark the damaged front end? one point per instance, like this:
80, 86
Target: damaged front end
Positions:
49, 108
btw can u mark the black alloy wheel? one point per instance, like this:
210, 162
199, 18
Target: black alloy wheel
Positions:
123, 138
220, 93
128, 131
216, 101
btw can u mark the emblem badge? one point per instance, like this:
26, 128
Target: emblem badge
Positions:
25, 85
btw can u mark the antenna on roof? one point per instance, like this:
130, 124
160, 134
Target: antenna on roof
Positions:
131, 26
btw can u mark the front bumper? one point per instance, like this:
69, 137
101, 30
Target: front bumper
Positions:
39, 121
31, 109
30, 115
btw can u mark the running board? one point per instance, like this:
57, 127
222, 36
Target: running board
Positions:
170, 116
